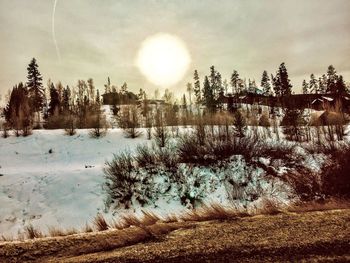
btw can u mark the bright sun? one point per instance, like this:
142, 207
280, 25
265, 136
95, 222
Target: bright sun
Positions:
163, 59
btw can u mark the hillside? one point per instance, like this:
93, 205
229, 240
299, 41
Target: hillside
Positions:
311, 236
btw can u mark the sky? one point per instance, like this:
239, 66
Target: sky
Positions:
97, 39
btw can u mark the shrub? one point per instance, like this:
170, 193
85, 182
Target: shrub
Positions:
129, 121
240, 124
293, 123
161, 133
168, 157
145, 156
125, 181
336, 174
190, 151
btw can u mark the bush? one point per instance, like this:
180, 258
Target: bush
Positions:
336, 174
240, 124
129, 121
125, 181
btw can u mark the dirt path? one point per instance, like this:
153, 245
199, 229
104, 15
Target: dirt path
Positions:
312, 236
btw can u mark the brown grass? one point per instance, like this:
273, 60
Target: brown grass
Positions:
6, 238
100, 223
153, 225
324, 205
269, 207
213, 212
87, 228
32, 233
56, 232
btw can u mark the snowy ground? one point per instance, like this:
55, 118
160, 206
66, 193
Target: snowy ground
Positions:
51, 179
62, 188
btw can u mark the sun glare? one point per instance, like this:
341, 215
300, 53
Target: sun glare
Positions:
163, 59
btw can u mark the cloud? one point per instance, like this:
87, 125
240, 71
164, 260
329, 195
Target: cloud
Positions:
100, 40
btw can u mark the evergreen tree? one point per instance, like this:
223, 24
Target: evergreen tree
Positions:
293, 123
331, 79
66, 100
35, 87
208, 95
276, 84
189, 90
225, 86
265, 83
17, 112
197, 88
235, 82
340, 85
91, 89
124, 88
322, 84
219, 89
305, 87
286, 87
313, 85
240, 124
98, 99
54, 104
108, 86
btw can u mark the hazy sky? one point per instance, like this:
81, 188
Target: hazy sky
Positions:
98, 39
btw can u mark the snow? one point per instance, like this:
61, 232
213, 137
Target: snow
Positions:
54, 189
64, 188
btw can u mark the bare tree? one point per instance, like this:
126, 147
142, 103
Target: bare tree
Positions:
129, 121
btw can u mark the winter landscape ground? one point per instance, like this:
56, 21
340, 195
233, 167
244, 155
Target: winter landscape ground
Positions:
67, 190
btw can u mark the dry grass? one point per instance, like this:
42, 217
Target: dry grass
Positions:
269, 207
32, 232
56, 232
330, 204
6, 238
87, 228
213, 212
153, 225
100, 223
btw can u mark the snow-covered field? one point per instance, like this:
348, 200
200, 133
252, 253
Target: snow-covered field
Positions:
51, 179
62, 188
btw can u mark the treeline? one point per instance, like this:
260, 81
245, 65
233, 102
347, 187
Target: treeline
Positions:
210, 101
30, 105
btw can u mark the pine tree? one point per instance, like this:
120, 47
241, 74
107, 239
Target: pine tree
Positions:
240, 124
124, 88
286, 87
17, 112
305, 87
322, 84
91, 89
313, 86
276, 84
331, 79
54, 104
208, 95
66, 100
108, 86
197, 88
219, 89
35, 87
225, 86
189, 90
235, 82
98, 99
340, 85
265, 83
